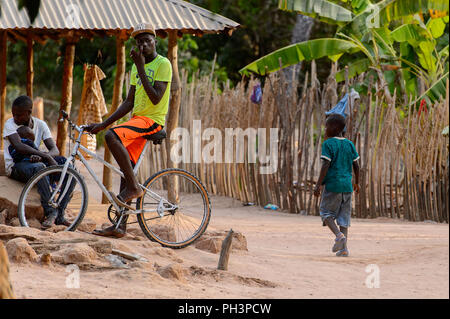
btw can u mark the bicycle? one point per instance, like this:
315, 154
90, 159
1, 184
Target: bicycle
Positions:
174, 223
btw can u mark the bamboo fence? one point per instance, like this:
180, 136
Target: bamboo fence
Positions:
404, 157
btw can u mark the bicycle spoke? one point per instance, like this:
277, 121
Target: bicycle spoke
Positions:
69, 203
184, 224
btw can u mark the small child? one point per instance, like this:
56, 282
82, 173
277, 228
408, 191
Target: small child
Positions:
27, 137
339, 156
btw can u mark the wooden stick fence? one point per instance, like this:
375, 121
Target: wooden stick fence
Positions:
404, 157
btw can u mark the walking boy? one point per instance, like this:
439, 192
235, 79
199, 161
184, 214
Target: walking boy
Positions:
339, 156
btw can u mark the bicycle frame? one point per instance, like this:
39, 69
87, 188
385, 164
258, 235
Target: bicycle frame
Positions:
76, 153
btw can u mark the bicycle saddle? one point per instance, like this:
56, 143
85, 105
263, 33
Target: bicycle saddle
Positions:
157, 138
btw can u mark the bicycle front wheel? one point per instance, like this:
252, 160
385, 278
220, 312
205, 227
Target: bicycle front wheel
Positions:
174, 221
40, 197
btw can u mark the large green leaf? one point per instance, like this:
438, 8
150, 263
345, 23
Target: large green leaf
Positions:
390, 10
410, 33
435, 92
295, 53
384, 12
320, 9
436, 27
425, 54
354, 69
360, 5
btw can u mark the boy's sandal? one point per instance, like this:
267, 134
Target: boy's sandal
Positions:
342, 253
339, 244
119, 202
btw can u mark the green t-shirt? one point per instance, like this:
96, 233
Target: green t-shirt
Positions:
341, 153
160, 69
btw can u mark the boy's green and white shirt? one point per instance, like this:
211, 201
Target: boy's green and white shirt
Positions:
341, 153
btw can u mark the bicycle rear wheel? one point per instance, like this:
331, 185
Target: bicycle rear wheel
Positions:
71, 200
179, 227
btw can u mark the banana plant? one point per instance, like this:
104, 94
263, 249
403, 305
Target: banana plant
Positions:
410, 47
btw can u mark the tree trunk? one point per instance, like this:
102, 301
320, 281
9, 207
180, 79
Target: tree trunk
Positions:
300, 33
117, 100
3, 50
66, 98
174, 110
30, 67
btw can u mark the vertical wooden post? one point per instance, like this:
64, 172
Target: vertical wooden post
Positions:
174, 109
30, 67
3, 51
225, 251
38, 108
66, 98
116, 101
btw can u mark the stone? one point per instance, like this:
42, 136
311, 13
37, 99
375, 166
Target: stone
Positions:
102, 246
6, 289
79, 253
117, 261
165, 232
135, 231
212, 241
209, 244
20, 251
87, 225
56, 228
14, 222
173, 272
3, 215
34, 223
10, 191
46, 259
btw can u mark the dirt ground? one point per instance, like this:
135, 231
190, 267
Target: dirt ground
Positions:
289, 256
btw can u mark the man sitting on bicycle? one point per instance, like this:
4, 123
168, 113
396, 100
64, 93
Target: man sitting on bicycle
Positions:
148, 97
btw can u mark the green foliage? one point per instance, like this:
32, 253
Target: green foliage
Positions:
417, 49
263, 29
308, 50
323, 10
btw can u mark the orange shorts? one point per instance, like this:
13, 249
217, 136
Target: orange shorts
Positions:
132, 133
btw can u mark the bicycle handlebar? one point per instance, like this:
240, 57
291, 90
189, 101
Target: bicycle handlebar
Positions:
65, 116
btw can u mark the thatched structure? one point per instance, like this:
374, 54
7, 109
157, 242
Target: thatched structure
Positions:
74, 19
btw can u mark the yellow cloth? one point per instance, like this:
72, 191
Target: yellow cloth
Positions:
92, 106
160, 69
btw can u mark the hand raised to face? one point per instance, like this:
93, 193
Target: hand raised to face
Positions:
137, 56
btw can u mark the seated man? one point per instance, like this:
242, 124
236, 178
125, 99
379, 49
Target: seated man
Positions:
148, 97
23, 170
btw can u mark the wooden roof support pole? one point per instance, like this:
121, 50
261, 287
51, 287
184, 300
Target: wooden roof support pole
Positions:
30, 67
66, 98
3, 51
174, 109
116, 101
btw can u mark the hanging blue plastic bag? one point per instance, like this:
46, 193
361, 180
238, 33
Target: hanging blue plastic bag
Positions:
257, 94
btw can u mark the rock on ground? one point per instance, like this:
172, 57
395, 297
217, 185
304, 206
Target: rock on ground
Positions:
87, 225
20, 251
212, 241
6, 290
79, 253
173, 272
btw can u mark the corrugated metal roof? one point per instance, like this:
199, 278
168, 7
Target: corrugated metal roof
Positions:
116, 14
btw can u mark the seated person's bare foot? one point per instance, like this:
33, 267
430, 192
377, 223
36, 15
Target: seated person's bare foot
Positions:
130, 193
